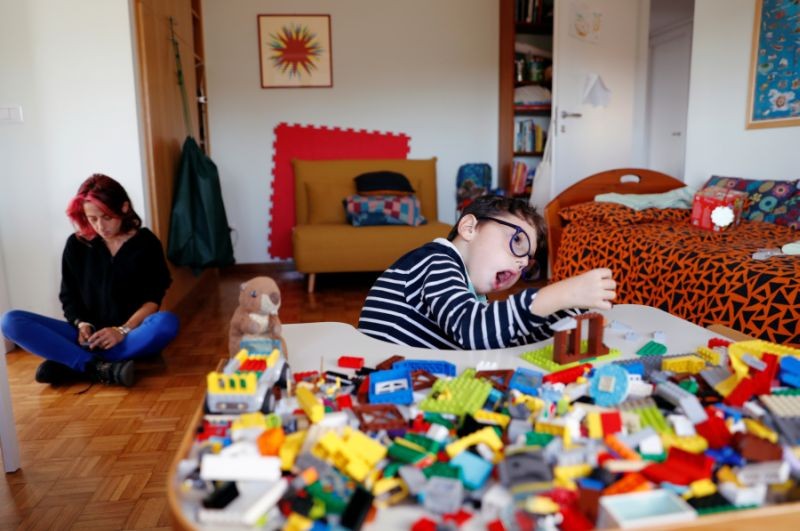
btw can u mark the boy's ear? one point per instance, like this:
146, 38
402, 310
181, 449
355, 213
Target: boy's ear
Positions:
467, 226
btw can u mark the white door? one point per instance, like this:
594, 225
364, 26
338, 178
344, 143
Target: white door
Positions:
606, 38
668, 101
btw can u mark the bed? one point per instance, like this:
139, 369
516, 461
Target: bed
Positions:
659, 259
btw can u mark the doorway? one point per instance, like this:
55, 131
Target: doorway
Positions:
670, 54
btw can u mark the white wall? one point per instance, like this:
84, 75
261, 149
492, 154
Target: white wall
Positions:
420, 67
717, 141
70, 65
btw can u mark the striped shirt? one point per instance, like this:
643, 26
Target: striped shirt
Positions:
425, 300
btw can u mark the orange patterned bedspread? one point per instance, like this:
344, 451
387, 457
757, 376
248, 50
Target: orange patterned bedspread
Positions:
659, 259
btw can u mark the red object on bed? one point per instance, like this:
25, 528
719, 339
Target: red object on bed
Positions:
308, 142
659, 259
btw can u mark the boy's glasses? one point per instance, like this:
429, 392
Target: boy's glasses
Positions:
520, 243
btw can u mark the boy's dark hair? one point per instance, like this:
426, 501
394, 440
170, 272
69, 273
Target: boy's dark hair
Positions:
491, 205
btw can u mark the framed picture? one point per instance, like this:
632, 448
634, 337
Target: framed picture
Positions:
295, 51
774, 91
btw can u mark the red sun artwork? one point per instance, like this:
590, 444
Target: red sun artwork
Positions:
295, 47
295, 51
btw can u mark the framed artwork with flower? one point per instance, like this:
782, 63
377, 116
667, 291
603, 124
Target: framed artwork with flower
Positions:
295, 51
774, 92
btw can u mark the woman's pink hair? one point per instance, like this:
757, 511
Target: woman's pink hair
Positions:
110, 197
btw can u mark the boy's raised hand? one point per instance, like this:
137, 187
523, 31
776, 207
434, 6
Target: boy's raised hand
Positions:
594, 289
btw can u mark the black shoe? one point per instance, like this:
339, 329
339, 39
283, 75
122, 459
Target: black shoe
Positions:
113, 372
54, 373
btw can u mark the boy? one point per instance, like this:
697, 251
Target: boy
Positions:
435, 296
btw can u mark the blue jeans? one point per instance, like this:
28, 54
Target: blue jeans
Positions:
57, 340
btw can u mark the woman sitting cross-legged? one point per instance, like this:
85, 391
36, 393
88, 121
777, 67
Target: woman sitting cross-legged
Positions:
114, 277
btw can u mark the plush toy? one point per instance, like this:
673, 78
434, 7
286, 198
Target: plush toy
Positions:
257, 314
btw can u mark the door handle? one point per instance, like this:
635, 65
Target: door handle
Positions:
565, 114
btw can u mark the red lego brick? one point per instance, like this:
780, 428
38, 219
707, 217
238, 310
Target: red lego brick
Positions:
574, 520
567, 375
681, 467
351, 362
762, 380
495, 525
741, 393
715, 342
308, 376
714, 430
458, 518
424, 524
611, 422
344, 402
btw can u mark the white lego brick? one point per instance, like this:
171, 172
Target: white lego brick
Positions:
770, 472
752, 409
639, 389
753, 495
496, 499
659, 336
337, 419
238, 467
682, 426
268, 499
652, 445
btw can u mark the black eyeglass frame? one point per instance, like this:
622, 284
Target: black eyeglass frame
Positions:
517, 230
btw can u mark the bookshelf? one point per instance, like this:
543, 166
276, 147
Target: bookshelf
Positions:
522, 127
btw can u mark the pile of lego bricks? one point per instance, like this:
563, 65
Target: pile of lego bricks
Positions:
673, 436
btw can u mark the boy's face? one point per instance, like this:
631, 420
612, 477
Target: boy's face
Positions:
491, 264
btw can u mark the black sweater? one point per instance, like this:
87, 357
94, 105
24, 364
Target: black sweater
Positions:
106, 290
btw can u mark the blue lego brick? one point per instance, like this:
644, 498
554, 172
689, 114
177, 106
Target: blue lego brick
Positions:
789, 378
391, 387
609, 385
725, 456
474, 469
733, 412
443, 368
790, 364
526, 381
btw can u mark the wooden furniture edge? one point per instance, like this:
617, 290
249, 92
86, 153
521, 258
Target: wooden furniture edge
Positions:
585, 190
178, 518
729, 332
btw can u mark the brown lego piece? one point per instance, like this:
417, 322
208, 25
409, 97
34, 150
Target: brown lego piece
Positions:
422, 379
386, 364
499, 379
567, 343
377, 417
755, 449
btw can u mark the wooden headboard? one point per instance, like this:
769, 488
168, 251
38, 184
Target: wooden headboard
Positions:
620, 181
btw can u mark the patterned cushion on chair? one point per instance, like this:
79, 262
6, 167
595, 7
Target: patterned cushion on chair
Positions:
383, 210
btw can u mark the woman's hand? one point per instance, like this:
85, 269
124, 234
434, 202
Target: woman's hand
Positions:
85, 331
105, 338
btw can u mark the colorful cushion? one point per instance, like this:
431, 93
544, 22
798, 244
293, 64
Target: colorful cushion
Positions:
788, 213
763, 196
383, 210
383, 183
617, 215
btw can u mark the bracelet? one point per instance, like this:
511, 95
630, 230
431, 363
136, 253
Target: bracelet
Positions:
123, 330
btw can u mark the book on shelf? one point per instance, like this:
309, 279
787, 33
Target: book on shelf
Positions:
529, 137
519, 173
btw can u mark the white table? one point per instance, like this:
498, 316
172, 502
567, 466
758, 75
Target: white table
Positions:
307, 343
8, 431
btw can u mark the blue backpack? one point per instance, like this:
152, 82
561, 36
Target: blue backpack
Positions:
473, 180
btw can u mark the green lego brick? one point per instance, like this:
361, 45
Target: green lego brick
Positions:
689, 385
333, 503
466, 394
429, 444
443, 470
786, 392
655, 458
391, 469
543, 357
652, 348
535, 438
436, 418
406, 455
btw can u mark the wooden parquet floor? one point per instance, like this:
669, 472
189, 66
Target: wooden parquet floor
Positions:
98, 458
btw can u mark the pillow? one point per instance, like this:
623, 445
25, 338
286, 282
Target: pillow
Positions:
325, 202
616, 214
789, 212
677, 198
383, 210
383, 183
763, 196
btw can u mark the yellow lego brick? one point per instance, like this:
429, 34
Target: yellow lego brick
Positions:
367, 448
544, 426
327, 446
726, 474
311, 404
756, 428
565, 483
389, 491
690, 443
290, 448
709, 354
541, 505
729, 384
249, 420
219, 383
273, 358
593, 425
490, 417
757, 347
572, 471
700, 488
242, 355
297, 522
684, 364
486, 435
